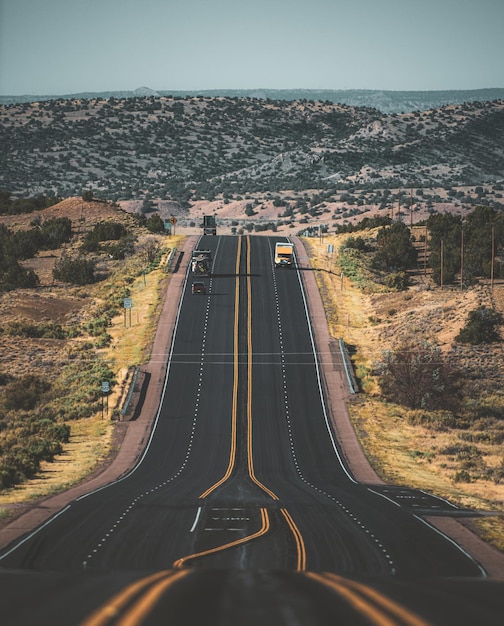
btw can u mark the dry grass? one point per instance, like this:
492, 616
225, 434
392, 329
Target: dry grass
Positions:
92, 439
133, 331
402, 450
89, 444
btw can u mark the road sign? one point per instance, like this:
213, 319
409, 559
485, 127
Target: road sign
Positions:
105, 386
128, 303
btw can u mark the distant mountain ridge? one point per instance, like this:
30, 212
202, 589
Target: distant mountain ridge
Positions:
203, 148
382, 100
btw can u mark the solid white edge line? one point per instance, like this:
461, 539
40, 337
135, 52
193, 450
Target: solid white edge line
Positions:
34, 532
133, 470
432, 527
452, 541
158, 413
320, 386
161, 401
193, 527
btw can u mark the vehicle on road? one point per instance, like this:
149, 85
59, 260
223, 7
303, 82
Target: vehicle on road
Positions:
209, 225
284, 254
200, 262
198, 287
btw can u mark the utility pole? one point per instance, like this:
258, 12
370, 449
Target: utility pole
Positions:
493, 259
425, 253
411, 208
462, 258
442, 264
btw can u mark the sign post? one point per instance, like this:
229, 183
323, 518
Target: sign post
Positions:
173, 221
128, 304
105, 389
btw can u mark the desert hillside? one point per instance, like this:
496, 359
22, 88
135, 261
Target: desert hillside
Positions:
61, 337
286, 164
457, 454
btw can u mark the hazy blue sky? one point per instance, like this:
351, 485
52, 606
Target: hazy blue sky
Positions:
69, 46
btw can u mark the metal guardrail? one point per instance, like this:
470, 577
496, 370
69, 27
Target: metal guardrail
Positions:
169, 263
347, 364
131, 389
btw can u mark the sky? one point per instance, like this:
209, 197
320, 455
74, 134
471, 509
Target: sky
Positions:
57, 47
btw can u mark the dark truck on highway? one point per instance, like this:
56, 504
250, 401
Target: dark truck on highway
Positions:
209, 225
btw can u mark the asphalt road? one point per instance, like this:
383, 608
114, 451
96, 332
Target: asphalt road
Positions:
241, 510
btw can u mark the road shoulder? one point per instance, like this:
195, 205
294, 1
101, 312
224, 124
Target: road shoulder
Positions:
338, 395
132, 436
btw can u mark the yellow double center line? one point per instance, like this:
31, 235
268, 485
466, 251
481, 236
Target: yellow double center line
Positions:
264, 529
301, 560
376, 607
134, 603
131, 605
236, 355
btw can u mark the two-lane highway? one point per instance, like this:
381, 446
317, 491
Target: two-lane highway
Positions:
241, 509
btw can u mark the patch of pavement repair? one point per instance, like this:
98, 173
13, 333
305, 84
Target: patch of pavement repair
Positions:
136, 434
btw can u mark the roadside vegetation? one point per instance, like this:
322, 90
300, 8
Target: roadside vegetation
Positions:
62, 338
305, 159
429, 359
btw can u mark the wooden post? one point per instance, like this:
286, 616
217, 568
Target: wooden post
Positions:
411, 208
442, 264
493, 259
425, 253
462, 258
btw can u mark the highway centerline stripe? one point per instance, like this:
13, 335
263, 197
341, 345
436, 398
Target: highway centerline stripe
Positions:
301, 563
110, 611
263, 530
382, 611
301, 552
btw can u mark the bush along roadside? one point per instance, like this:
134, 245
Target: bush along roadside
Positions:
36, 415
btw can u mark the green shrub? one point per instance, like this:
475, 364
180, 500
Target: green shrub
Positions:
26, 329
25, 441
397, 280
55, 232
106, 231
481, 327
395, 248
13, 276
462, 476
358, 243
25, 392
155, 224
77, 271
435, 420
